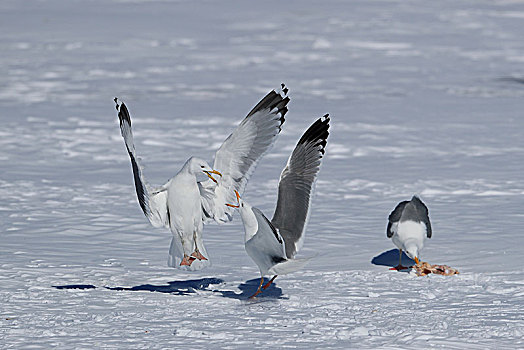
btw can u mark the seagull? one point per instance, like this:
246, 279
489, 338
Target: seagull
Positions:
408, 227
273, 244
183, 204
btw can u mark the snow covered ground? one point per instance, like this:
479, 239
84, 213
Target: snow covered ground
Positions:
425, 97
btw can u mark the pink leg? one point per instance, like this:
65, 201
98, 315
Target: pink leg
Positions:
258, 290
269, 283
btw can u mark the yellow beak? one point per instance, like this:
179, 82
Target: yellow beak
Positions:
238, 199
208, 173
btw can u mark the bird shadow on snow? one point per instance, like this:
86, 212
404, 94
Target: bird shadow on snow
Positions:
249, 288
390, 258
187, 287
76, 286
174, 287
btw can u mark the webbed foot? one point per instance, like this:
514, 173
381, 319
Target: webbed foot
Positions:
197, 255
400, 267
187, 261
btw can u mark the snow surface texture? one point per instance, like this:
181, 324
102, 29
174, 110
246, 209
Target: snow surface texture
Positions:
425, 98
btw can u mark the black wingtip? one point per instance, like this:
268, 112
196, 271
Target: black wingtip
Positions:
275, 99
284, 89
123, 113
317, 133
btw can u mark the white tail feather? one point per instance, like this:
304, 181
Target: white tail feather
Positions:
176, 254
288, 266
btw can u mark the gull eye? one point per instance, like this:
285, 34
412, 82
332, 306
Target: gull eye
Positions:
202, 166
242, 205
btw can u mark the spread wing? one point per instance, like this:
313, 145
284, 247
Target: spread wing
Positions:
296, 184
238, 156
152, 201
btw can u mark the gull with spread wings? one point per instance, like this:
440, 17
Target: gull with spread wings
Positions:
183, 204
273, 244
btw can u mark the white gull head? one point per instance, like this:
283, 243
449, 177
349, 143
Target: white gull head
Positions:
248, 217
196, 165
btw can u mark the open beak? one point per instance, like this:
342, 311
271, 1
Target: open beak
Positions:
238, 199
209, 172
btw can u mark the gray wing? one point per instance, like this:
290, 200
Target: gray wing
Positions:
395, 216
238, 156
152, 201
423, 212
296, 183
262, 220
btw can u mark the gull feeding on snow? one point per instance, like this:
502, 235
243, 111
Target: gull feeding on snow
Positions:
183, 204
273, 244
408, 227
